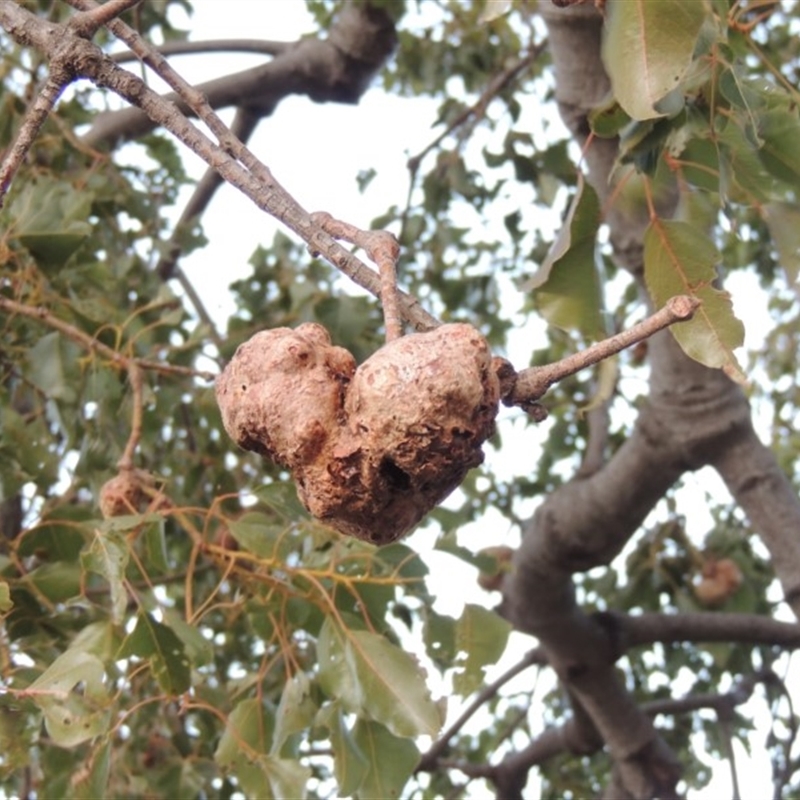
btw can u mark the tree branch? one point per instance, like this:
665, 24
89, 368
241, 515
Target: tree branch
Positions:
636, 630
251, 177
430, 760
533, 382
93, 345
263, 47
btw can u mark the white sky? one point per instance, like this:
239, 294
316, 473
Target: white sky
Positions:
316, 151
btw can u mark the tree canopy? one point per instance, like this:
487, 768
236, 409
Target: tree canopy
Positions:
175, 623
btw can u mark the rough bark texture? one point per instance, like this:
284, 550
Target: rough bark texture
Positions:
372, 449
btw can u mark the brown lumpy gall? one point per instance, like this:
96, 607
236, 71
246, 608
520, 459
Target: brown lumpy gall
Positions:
131, 491
282, 393
372, 449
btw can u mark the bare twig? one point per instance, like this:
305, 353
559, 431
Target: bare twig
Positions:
86, 23
381, 248
431, 759
533, 382
60, 76
478, 108
262, 47
91, 344
136, 381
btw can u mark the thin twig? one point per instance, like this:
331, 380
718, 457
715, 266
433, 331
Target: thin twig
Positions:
35, 117
136, 380
478, 108
431, 759
93, 345
533, 382
381, 248
262, 47
86, 23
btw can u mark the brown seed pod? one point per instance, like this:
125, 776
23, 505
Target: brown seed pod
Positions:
372, 450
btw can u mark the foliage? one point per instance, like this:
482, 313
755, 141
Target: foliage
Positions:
207, 637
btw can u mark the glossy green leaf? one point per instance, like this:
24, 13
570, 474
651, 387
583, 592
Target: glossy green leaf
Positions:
108, 555
647, 50
567, 285
243, 750
481, 638
783, 220
336, 676
370, 674
159, 644
391, 761
393, 685
678, 259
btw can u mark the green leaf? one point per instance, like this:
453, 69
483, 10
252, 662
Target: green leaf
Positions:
370, 674
159, 644
780, 131
783, 220
678, 259
440, 638
243, 749
72, 717
350, 766
336, 677
50, 362
91, 780
481, 636
647, 50
393, 685
567, 285
249, 729
198, 648
391, 761
50, 219
108, 555
6, 603
259, 534
296, 710
57, 581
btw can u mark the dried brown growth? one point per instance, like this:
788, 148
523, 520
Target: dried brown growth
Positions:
131, 491
720, 581
372, 449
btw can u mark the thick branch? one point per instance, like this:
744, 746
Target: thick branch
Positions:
636, 630
756, 481
336, 69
